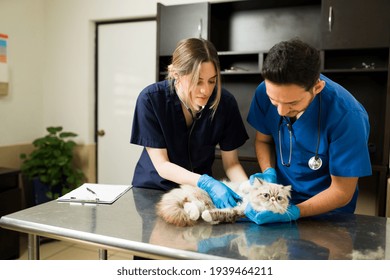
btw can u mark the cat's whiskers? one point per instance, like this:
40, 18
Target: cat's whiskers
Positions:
289, 214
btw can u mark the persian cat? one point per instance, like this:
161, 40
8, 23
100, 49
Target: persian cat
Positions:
186, 205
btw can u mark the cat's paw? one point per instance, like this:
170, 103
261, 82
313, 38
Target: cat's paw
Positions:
206, 216
192, 211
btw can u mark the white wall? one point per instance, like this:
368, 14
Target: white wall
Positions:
21, 117
51, 61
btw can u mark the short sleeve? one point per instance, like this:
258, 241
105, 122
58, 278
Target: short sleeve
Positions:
348, 150
258, 110
146, 130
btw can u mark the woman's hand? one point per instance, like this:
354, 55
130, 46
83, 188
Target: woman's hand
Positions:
221, 195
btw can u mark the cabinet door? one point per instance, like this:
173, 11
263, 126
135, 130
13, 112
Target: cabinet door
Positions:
355, 24
179, 22
9, 240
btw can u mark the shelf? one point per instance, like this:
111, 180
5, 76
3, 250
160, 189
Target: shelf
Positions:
232, 53
231, 72
379, 168
258, 25
227, 73
240, 63
357, 60
355, 70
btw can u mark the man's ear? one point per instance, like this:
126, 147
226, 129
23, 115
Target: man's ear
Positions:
318, 87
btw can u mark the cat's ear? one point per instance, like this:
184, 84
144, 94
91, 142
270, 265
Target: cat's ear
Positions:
287, 188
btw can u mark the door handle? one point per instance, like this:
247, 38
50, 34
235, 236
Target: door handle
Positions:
200, 27
101, 132
330, 18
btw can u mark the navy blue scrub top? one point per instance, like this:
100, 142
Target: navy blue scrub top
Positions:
159, 122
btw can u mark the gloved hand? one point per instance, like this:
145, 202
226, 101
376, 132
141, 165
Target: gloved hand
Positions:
268, 234
266, 217
221, 195
269, 175
208, 244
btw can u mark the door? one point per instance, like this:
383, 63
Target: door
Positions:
126, 63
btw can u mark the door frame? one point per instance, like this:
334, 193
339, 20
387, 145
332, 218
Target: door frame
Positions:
96, 76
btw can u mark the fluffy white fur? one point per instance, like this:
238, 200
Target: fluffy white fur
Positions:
185, 205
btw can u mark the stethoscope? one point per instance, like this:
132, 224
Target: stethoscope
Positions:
314, 162
195, 117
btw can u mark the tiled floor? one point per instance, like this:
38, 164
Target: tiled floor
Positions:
64, 250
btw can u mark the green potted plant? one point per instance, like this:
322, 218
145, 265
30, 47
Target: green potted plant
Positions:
50, 165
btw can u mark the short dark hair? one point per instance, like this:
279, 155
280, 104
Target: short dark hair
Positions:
292, 62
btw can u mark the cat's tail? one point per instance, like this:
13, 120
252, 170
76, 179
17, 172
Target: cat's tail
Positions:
172, 210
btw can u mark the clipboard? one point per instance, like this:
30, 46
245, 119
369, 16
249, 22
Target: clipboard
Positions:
95, 193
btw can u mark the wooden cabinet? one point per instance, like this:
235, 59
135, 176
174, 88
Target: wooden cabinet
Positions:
354, 49
253, 26
350, 24
180, 21
242, 32
365, 73
10, 201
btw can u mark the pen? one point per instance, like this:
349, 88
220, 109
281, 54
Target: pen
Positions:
91, 191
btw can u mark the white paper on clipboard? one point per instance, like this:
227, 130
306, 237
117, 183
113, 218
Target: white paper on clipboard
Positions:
95, 193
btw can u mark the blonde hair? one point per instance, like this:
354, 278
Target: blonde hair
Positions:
187, 59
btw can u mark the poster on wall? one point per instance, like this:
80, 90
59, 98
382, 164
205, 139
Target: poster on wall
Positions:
3, 65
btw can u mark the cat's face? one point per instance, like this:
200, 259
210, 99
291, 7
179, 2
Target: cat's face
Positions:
269, 196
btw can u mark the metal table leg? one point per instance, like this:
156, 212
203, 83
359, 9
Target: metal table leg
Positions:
33, 247
102, 254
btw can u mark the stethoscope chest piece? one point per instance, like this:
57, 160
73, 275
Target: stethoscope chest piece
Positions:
315, 163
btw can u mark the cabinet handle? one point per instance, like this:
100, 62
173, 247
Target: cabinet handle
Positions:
330, 18
200, 27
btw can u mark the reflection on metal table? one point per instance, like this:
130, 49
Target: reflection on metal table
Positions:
131, 224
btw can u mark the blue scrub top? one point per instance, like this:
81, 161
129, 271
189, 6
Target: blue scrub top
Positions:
159, 122
343, 145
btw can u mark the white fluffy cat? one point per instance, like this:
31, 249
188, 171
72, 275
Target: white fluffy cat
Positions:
184, 206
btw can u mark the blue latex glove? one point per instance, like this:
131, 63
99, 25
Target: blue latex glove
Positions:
266, 235
221, 195
206, 245
266, 217
269, 175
